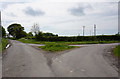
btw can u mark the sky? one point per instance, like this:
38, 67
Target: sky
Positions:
62, 17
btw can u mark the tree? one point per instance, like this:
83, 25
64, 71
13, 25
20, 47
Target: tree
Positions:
3, 32
23, 34
49, 34
30, 34
39, 36
35, 28
16, 30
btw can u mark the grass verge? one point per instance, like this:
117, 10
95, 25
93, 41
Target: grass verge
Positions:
54, 47
3, 45
117, 51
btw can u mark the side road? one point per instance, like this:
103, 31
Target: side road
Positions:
24, 61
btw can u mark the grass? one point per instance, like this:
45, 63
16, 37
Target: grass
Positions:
61, 45
0, 47
79, 42
3, 45
54, 47
117, 51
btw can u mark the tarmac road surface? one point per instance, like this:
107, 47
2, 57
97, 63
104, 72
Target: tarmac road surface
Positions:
22, 60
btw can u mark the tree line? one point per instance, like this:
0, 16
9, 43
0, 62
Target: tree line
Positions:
17, 31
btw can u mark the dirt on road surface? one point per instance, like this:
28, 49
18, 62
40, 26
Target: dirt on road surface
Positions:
22, 60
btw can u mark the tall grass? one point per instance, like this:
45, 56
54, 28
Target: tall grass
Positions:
3, 45
117, 51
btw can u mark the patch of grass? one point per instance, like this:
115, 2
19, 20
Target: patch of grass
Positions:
117, 51
0, 47
3, 45
54, 47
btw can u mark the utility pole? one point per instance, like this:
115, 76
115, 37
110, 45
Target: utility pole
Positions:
90, 32
94, 30
83, 30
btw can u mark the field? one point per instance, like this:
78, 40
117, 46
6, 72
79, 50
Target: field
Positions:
77, 42
61, 45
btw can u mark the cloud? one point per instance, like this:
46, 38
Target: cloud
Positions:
108, 9
77, 11
80, 10
12, 15
5, 4
64, 18
30, 11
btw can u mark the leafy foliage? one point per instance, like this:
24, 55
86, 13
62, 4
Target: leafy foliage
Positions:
49, 34
16, 30
79, 38
3, 32
30, 34
44, 36
39, 36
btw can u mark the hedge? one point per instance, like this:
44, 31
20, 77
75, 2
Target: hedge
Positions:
80, 38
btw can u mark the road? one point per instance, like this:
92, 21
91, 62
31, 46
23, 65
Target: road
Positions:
22, 60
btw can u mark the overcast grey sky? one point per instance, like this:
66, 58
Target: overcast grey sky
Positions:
62, 17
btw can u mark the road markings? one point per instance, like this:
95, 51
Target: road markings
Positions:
8, 46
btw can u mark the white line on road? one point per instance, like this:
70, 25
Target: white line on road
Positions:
8, 46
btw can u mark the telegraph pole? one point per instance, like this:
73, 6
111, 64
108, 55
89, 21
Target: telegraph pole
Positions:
83, 30
94, 30
90, 32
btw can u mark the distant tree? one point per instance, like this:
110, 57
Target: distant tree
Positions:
16, 30
30, 34
49, 34
35, 28
3, 32
39, 36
